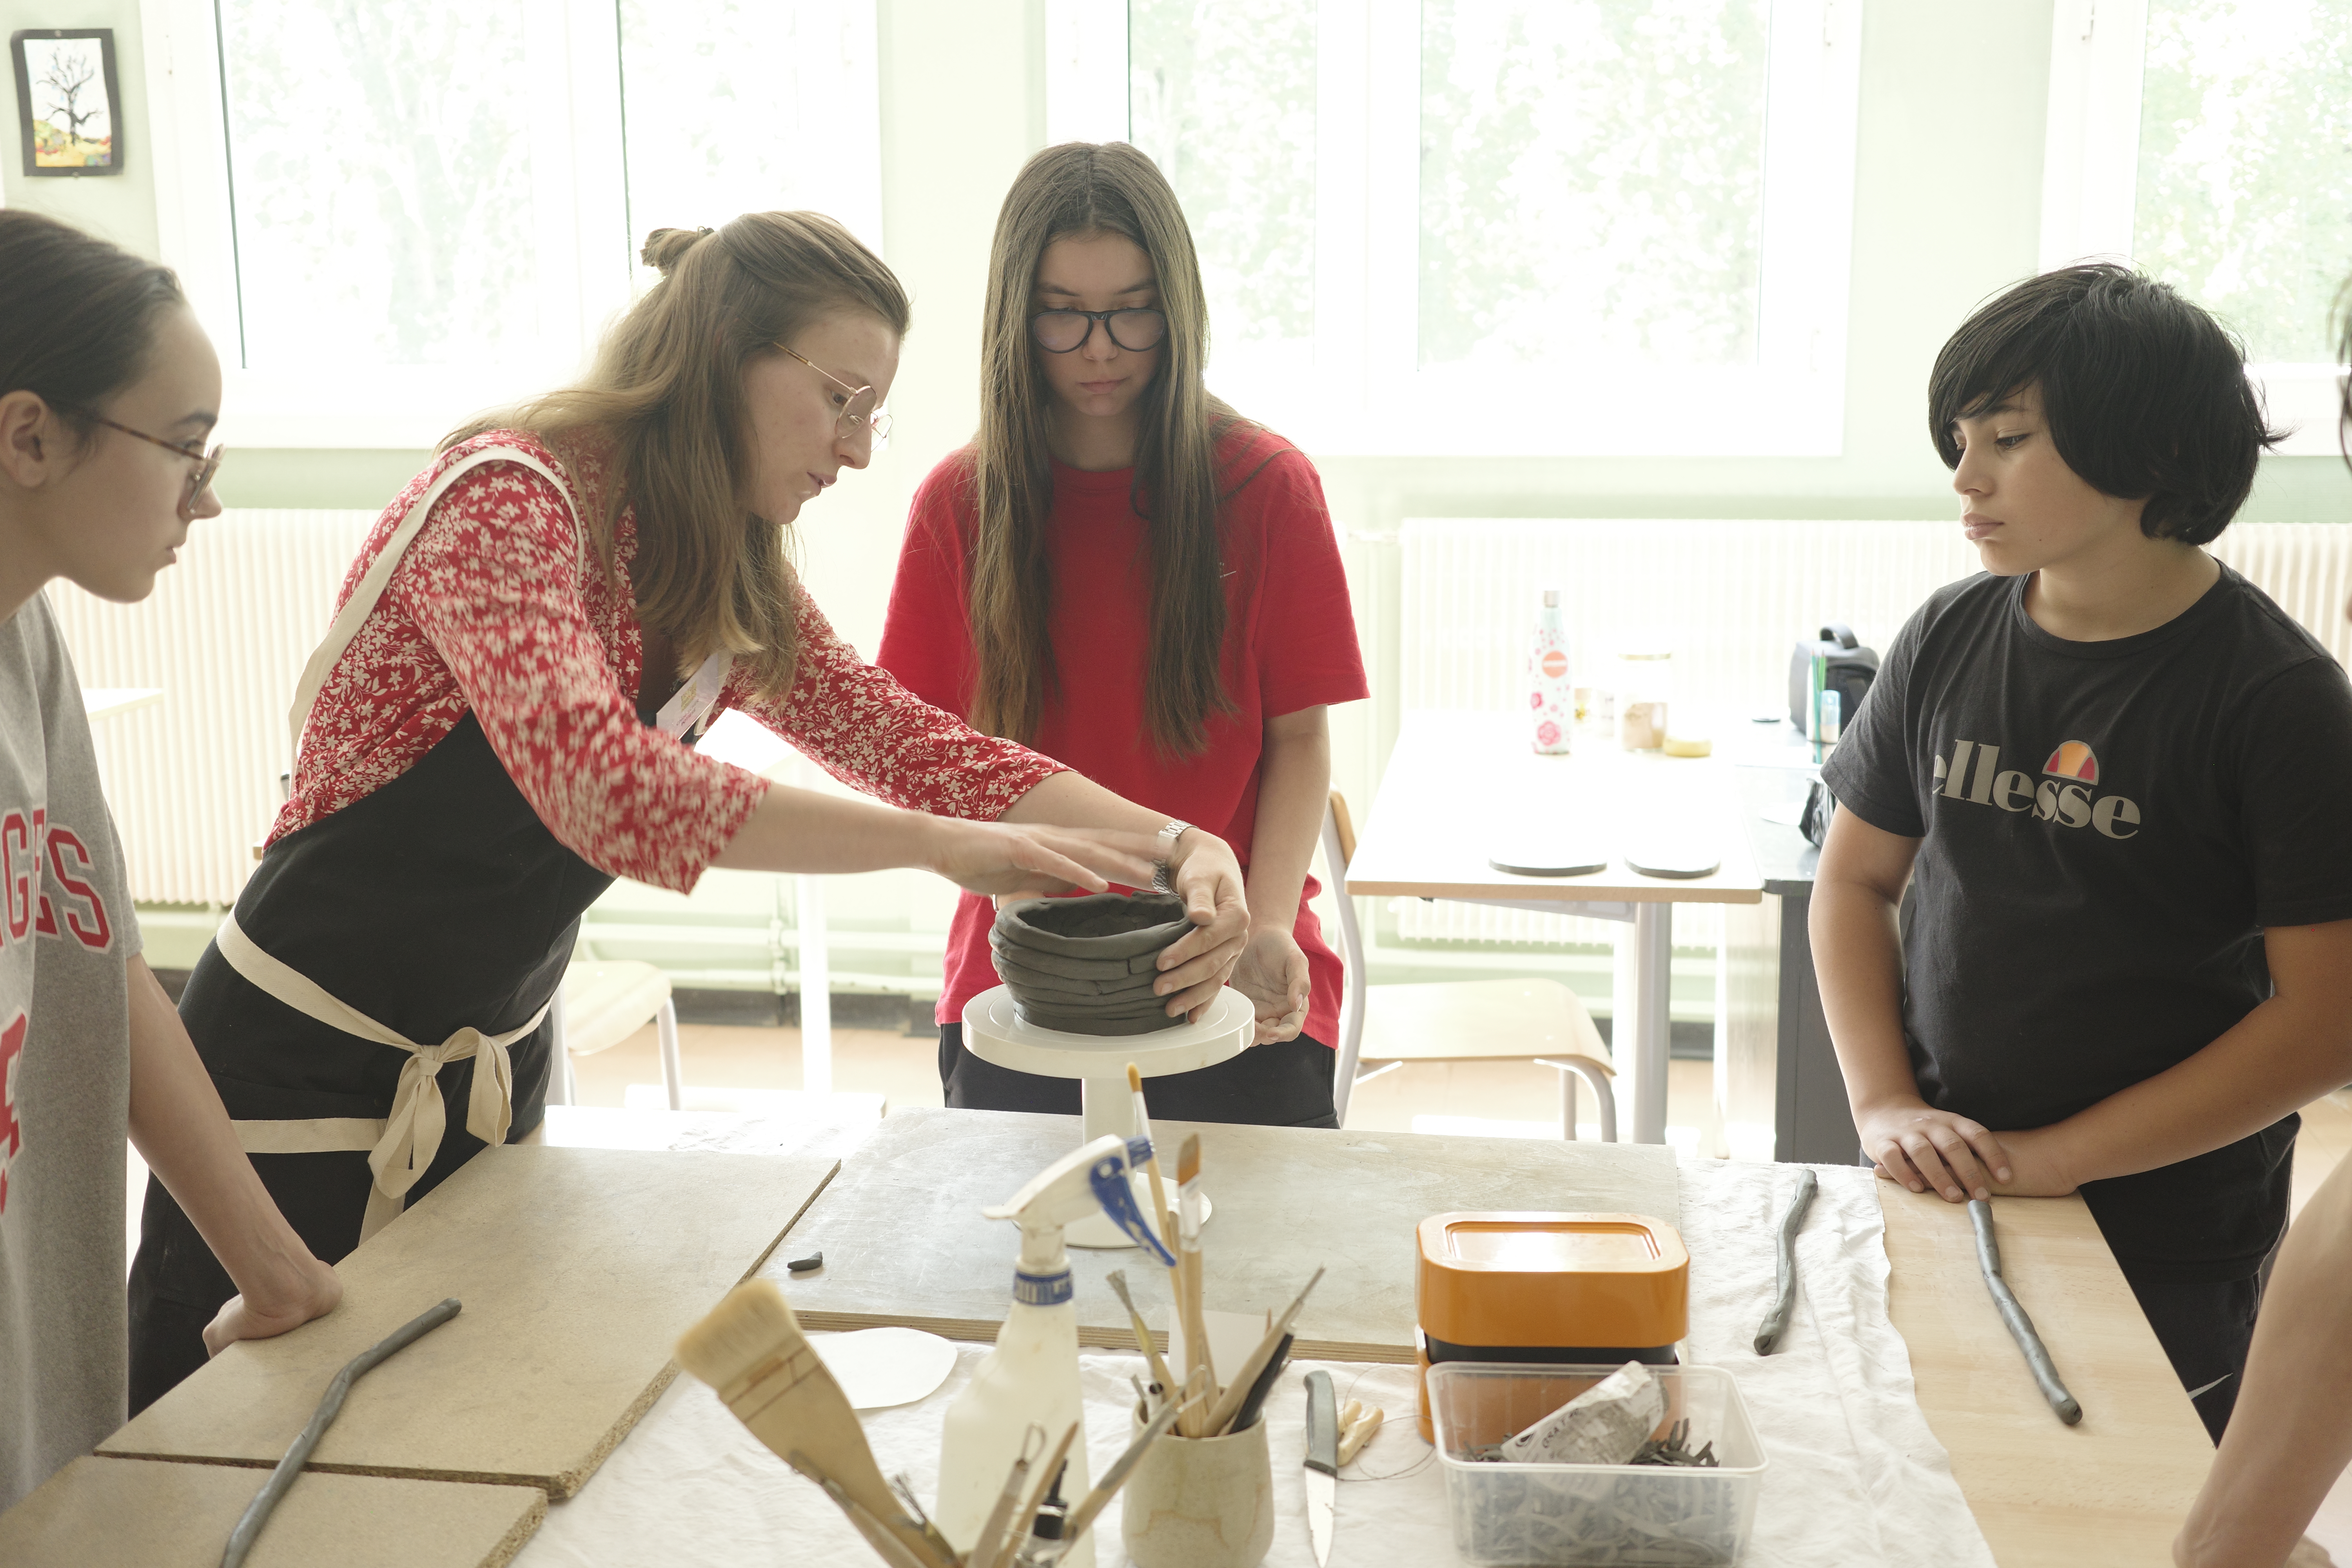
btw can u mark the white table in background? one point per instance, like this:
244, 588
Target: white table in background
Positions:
111, 702
1458, 785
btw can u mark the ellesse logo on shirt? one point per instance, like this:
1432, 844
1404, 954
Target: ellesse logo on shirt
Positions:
2067, 794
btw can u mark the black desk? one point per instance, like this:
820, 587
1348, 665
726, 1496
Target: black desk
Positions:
1783, 1097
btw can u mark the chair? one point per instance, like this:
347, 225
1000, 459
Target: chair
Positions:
1469, 1020
599, 1006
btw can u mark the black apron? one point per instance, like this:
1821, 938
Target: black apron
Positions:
438, 905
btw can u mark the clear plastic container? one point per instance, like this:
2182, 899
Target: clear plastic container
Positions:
1652, 1515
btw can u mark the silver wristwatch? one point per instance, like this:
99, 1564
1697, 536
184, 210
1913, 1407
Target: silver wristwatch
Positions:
1164, 846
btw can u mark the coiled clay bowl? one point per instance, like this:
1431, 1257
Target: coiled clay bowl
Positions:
1086, 965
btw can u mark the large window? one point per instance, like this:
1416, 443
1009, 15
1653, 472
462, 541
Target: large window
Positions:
2211, 141
391, 214
1501, 226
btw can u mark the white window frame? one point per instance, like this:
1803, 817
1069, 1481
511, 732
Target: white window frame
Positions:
573, 49
1368, 394
2090, 187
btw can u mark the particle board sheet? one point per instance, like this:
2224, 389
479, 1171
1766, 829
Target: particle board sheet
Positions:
578, 1269
143, 1513
904, 1242
2112, 1488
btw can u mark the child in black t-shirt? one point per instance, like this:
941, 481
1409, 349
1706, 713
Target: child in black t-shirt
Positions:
2112, 770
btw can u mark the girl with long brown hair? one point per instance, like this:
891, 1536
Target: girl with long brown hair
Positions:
501, 722
1123, 572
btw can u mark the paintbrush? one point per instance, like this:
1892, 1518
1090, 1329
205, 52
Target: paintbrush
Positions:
1162, 1220
1229, 1403
1196, 1332
1142, 1335
752, 1350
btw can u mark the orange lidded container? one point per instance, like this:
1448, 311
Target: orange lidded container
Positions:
1534, 1286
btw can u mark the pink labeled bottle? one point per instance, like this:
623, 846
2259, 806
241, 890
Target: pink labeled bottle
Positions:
1551, 683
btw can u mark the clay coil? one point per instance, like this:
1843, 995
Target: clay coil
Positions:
1063, 967
1087, 966
1011, 969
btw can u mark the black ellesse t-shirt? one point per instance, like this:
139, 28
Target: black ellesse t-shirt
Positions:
2106, 826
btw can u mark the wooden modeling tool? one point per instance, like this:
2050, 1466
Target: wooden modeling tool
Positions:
297, 1453
1162, 1219
1188, 1226
1118, 1278
2012, 1313
1775, 1321
1358, 1424
1229, 1403
752, 1350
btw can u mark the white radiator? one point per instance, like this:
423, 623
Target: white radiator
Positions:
1729, 598
193, 783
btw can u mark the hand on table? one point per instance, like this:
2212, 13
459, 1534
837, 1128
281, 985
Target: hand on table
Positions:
1273, 974
1195, 967
1912, 1142
241, 1319
2037, 1166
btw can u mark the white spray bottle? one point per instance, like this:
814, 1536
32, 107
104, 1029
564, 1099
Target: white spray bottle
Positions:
1031, 1378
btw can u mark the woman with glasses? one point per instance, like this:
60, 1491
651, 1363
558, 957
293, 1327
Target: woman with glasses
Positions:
501, 718
1123, 572
108, 392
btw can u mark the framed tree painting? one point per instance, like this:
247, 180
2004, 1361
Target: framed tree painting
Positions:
68, 109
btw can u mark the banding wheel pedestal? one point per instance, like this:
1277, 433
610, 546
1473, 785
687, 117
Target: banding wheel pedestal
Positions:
994, 1032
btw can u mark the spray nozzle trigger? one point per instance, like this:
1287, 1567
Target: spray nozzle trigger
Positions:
1116, 1196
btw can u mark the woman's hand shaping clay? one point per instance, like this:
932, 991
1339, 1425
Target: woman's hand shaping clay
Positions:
1273, 974
1207, 876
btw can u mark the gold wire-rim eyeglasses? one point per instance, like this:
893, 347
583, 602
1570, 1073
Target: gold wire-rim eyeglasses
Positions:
207, 464
851, 420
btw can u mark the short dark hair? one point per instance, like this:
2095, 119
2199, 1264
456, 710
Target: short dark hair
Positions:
80, 315
2145, 393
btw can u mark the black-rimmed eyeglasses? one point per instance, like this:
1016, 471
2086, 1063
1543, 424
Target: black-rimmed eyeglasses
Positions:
1064, 331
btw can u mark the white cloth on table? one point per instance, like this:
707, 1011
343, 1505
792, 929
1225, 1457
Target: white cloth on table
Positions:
1855, 1478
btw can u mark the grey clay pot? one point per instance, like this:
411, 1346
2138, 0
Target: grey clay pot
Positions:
1086, 965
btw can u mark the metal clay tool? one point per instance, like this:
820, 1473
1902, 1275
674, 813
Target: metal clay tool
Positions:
2012, 1313
1024, 1519
297, 1453
1775, 1321
991, 1530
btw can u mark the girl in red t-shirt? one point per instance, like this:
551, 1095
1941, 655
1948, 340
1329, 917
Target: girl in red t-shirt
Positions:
1125, 574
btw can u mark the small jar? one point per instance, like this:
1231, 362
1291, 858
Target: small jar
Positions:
1646, 679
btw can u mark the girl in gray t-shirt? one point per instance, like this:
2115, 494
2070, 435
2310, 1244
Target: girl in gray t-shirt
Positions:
108, 390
